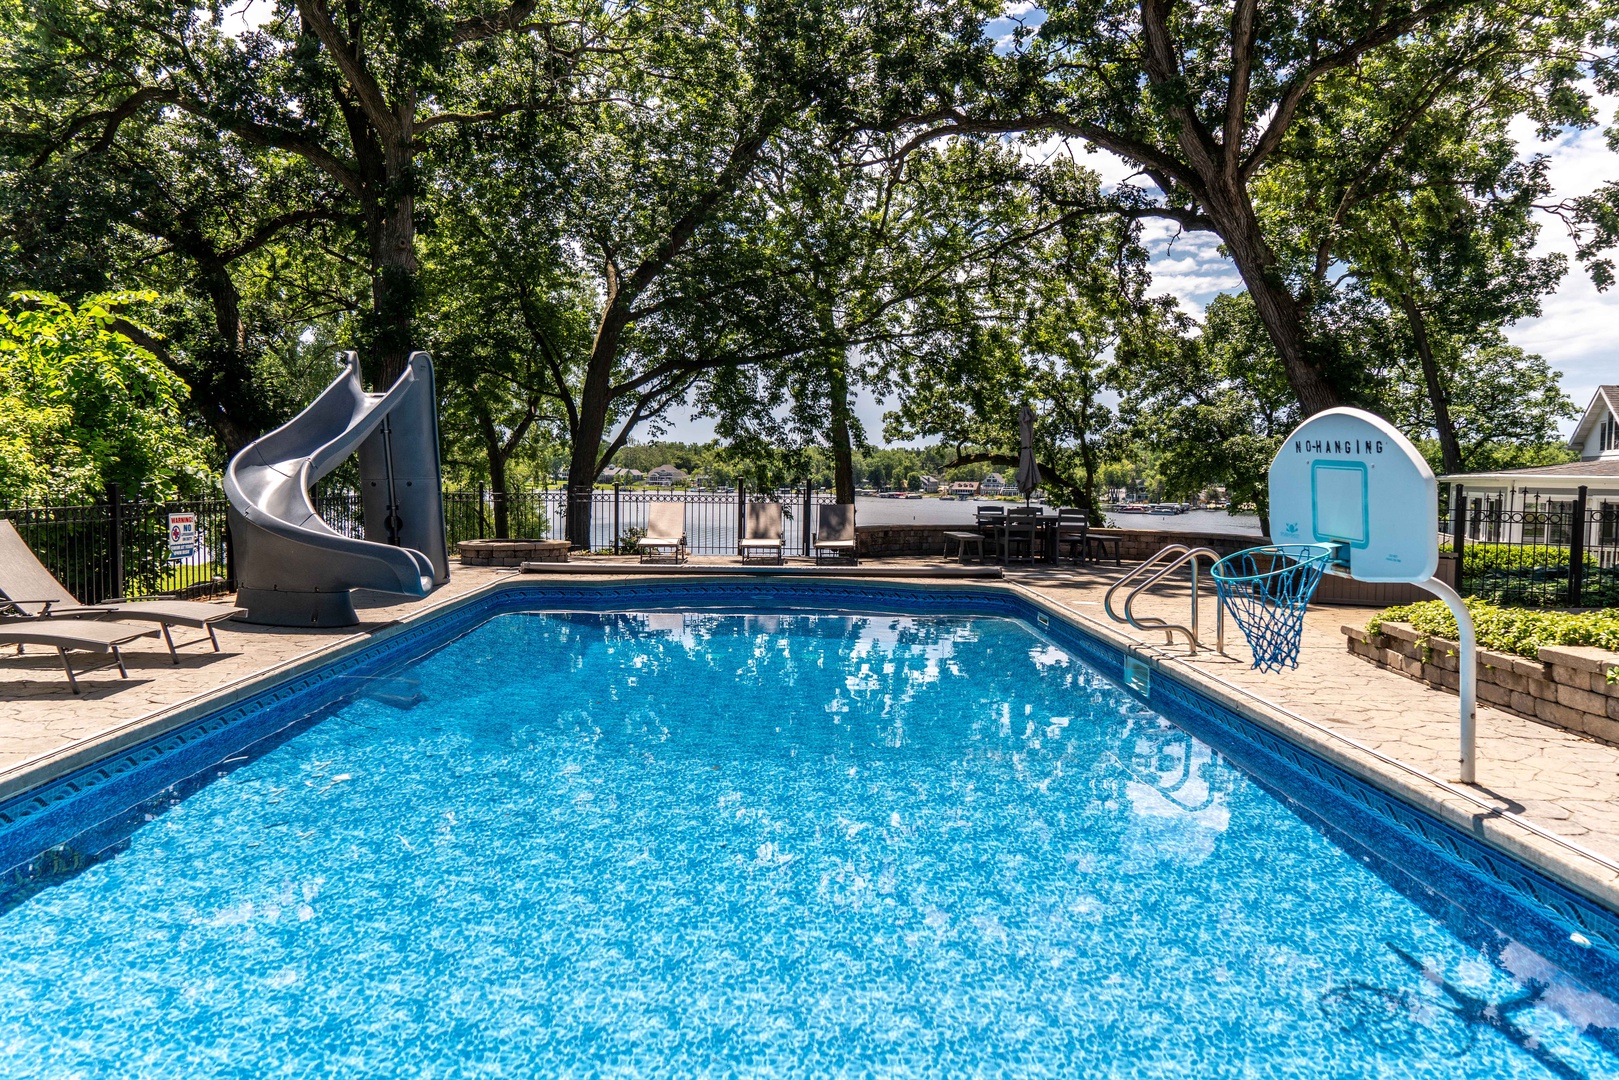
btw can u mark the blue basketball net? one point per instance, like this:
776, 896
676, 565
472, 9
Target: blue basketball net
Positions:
1266, 590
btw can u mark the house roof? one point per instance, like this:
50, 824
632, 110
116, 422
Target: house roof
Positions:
1575, 472
1606, 396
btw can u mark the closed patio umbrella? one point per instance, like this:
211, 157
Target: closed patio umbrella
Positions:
1028, 473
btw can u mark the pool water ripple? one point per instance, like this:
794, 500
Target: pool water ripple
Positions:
665, 845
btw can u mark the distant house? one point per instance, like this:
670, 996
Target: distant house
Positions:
930, 484
1535, 504
959, 488
618, 475
992, 485
666, 476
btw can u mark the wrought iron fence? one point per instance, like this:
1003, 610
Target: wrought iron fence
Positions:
617, 516
1535, 550
126, 547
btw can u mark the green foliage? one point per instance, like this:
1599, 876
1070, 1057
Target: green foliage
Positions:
82, 407
1519, 631
1482, 558
1207, 405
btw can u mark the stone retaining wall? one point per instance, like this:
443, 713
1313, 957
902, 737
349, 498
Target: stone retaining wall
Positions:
876, 541
1138, 544
879, 541
511, 552
1567, 686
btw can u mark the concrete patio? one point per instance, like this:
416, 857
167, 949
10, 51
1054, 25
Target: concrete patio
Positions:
1558, 791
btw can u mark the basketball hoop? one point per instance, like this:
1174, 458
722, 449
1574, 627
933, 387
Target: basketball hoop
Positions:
1266, 590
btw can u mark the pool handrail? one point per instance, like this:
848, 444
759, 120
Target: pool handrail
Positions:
1179, 555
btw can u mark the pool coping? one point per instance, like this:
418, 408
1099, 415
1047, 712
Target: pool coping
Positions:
1565, 862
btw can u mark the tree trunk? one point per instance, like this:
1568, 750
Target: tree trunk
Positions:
842, 447
234, 405
594, 402
1450, 449
497, 485
1087, 462
393, 257
1278, 309
496, 451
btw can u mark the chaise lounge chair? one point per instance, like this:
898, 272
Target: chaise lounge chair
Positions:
29, 591
834, 535
761, 540
66, 635
665, 532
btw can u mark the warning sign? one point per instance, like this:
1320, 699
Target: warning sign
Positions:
182, 536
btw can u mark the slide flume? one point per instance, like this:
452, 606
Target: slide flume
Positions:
292, 568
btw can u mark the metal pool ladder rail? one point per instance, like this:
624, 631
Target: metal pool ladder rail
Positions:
1168, 560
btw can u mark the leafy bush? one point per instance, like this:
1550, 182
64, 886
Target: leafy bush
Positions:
1519, 631
1484, 558
81, 406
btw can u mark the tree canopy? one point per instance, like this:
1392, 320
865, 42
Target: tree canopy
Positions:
596, 216
82, 407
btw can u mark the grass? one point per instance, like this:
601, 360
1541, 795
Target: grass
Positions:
1519, 631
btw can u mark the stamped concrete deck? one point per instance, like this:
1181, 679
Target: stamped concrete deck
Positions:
1544, 792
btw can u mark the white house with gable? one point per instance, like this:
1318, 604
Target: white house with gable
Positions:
1538, 505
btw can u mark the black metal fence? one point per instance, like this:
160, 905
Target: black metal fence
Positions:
121, 547
617, 516
130, 547
1535, 550
1515, 548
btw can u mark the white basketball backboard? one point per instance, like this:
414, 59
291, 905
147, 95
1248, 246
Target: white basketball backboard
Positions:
1346, 476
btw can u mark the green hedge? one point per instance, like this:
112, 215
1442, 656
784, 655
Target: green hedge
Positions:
1509, 630
1485, 558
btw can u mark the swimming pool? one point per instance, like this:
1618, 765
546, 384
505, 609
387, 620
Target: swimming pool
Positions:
783, 844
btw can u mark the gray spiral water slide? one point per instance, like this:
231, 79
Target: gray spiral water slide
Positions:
292, 568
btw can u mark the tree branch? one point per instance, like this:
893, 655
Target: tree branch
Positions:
1243, 30
319, 20
120, 325
1291, 98
479, 27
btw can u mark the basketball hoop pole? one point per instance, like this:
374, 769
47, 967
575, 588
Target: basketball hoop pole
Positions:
1467, 668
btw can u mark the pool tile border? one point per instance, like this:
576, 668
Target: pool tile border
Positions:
194, 735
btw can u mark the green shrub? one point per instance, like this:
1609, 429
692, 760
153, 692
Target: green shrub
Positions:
1485, 558
1519, 631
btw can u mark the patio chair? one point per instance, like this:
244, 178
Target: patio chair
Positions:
665, 533
29, 591
77, 635
1072, 526
834, 535
1018, 531
761, 540
990, 520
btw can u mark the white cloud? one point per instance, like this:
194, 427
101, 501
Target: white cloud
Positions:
1577, 326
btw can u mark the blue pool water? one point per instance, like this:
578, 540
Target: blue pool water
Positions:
707, 845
